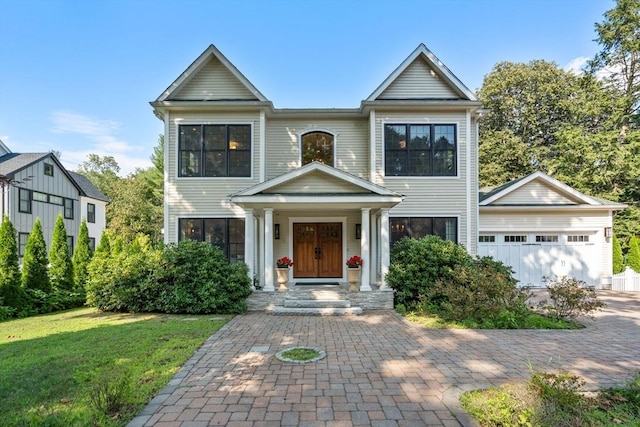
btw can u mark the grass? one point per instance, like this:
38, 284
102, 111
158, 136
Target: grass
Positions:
551, 400
533, 321
301, 353
83, 367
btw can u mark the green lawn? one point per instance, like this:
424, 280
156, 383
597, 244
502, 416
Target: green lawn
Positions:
83, 367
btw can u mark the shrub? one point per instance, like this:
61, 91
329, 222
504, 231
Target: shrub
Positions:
10, 291
618, 261
61, 267
560, 397
633, 256
483, 292
35, 274
40, 302
569, 298
416, 265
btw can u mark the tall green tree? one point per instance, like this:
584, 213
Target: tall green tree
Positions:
35, 273
619, 58
102, 171
61, 269
633, 256
618, 260
82, 256
10, 291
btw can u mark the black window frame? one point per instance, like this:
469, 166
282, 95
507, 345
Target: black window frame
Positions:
22, 246
48, 169
408, 226
198, 229
91, 213
206, 154
68, 208
92, 244
25, 205
304, 149
70, 244
409, 159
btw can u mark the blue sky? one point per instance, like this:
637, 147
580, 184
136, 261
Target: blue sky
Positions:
77, 76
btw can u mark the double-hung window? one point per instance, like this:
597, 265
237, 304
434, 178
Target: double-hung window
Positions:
420, 150
25, 200
68, 208
91, 212
214, 150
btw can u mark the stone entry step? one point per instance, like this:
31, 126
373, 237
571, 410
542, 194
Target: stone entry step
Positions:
316, 303
319, 311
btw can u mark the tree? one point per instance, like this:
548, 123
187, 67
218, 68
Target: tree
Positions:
61, 269
102, 171
35, 274
82, 256
10, 290
619, 38
618, 262
633, 256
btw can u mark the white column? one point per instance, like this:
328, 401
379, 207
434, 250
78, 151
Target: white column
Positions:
385, 257
268, 250
373, 251
249, 242
260, 256
365, 242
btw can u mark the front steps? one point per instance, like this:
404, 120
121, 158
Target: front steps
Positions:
311, 302
368, 300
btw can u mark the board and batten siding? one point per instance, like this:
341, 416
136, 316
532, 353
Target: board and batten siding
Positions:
434, 196
419, 81
535, 191
206, 197
214, 82
351, 144
58, 185
569, 222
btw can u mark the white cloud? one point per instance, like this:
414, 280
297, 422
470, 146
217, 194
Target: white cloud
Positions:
576, 65
100, 137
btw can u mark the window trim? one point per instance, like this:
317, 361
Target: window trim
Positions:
91, 215
29, 201
418, 122
307, 131
252, 149
443, 216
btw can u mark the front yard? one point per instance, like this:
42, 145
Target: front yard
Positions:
84, 367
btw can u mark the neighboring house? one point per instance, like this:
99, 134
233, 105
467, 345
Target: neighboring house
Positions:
93, 208
320, 184
542, 227
41, 188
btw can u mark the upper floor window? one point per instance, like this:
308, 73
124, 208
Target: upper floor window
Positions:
214, 150
317, 147
417, 227
91, 212
48, 169
68, 208
25, 200
420, 150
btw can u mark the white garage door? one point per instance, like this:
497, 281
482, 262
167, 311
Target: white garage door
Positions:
534, 256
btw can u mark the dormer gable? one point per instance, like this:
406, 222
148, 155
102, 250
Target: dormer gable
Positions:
422, 76
211, 77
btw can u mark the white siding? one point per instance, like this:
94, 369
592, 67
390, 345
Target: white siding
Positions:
351, 144
206, 197
95, 228
419, 81
214, 81
534, 192
432, 196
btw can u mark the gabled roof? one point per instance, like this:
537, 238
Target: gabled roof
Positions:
198, 64
88, 188
366, 186
4, 149
421, 52
492, 196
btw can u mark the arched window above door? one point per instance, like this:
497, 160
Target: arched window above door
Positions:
318, 146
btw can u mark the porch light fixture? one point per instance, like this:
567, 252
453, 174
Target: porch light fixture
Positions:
358, 231
276, 231
608, 232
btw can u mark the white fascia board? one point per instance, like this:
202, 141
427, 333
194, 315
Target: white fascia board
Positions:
555, 208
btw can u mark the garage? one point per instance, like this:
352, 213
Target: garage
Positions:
541, 227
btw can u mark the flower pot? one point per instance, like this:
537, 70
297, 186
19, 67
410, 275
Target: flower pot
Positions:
282, 277
353, 277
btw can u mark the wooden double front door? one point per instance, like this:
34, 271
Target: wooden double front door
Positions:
317, 250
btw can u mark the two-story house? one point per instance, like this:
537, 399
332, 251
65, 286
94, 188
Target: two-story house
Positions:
39, 186
319, 185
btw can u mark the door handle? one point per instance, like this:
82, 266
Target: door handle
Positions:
318, 253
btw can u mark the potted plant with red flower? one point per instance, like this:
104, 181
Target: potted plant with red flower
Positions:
353, 272
282, 272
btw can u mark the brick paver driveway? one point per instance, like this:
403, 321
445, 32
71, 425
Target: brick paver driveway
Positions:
380, 369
